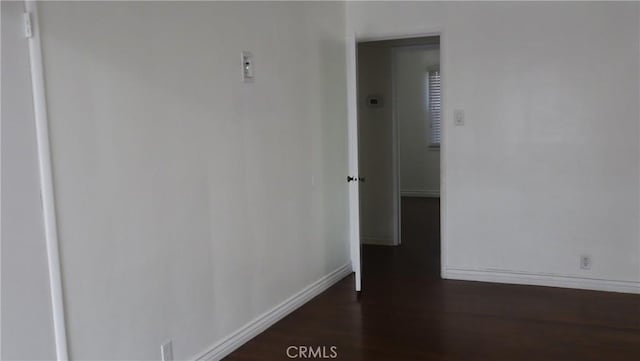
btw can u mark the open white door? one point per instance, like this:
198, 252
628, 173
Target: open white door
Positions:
354, 198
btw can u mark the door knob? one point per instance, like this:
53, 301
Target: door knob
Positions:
352, 179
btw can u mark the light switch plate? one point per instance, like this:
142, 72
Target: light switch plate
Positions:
458, 115
247, 66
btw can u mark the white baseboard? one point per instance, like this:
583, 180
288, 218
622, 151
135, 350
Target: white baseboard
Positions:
426, 193
245, 333
541, 280
377, 241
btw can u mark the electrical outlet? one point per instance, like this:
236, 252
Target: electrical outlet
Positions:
585, 262
166, 351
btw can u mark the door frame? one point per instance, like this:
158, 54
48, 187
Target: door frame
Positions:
353, 38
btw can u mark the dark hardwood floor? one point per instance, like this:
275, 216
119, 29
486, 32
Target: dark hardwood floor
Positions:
406, 312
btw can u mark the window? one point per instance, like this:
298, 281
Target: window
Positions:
433, 105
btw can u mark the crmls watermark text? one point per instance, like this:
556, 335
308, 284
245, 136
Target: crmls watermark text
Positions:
312, 352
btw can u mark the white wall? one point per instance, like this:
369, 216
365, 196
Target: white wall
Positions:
27, 323
375, 144
419, 162
546, 167
189, 203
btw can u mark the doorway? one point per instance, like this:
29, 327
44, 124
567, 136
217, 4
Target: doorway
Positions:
399, 135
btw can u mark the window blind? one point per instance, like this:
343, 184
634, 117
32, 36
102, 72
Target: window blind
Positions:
434, 105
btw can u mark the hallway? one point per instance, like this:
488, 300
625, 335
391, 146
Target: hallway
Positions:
407, 312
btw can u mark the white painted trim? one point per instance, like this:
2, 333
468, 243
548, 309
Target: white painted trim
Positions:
536, 279
377, 241
426, 193
392, 35
245, 333
638, 14
46, 183
352, 136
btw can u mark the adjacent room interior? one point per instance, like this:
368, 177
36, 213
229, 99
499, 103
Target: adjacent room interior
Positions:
399, 139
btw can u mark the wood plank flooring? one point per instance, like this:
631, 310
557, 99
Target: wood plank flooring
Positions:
406, 312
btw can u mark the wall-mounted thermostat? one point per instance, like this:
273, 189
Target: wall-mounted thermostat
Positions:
247, 66
374, 101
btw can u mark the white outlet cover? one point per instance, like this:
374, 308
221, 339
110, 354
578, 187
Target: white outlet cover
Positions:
585, 262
